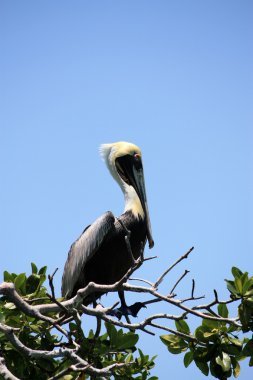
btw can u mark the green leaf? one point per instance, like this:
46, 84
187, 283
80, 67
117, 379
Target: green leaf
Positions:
43, 270
249, 294
34, 268
223, 310
46, 364
238, 285
168, 339
32, 283
224, 362
42, 279
174, 343
244, 315
250, 281
7, 277
35, 328
188, 358
245, 283
231, 287
91, 334
231, 349
112, 332
210, 334
236, 272
236, 342
19, 281
203, 366
182, 326
127, 340
248, 348
72, 327
129, 358
143, 359
199, 334
205, 333
210, 324
201, 354
236, 367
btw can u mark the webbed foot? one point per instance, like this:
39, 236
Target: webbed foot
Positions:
125, 310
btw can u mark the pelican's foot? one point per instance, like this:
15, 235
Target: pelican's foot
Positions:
132, 310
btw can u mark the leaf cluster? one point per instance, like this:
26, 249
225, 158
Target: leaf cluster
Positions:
112, 347
32, 332
216, 347
242, 288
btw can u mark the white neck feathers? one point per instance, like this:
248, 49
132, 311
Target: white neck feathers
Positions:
132, 201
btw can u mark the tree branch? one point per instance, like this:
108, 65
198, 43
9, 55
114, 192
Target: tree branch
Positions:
160, 279
7, 375
61, 352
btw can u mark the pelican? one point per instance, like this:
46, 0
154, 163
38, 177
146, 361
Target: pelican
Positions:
100, 254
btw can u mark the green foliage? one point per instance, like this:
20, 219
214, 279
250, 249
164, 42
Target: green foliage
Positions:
216, 347
242, 288
114, 346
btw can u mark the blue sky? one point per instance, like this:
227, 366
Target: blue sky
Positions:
174, 77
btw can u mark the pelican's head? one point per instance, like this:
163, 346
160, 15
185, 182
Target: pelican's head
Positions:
124, 160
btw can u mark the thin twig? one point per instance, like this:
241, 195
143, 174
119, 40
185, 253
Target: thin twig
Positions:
149, 258
141, 280
180, 278
160, 279
50, 279
193, 288
192, 299
53, 298
175, 332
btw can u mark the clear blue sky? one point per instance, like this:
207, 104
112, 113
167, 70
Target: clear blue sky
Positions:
174, 77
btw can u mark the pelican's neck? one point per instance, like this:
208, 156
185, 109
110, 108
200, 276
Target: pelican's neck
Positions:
132, 201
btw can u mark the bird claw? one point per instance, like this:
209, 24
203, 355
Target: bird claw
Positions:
132, 310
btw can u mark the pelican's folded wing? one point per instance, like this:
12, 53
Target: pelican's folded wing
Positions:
83, 249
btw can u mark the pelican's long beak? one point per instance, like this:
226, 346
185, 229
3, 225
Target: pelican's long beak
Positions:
131, 170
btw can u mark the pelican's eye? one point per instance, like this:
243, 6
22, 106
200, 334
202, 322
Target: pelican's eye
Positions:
137, 161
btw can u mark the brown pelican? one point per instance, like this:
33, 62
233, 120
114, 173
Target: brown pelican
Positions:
100, 254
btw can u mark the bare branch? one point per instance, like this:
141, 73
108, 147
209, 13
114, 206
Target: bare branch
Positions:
141, 280
216, 301
193, 288
160, 279
192, 299
175, 332
76, 302
50, 279
183, 275
52, 298
150, 258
